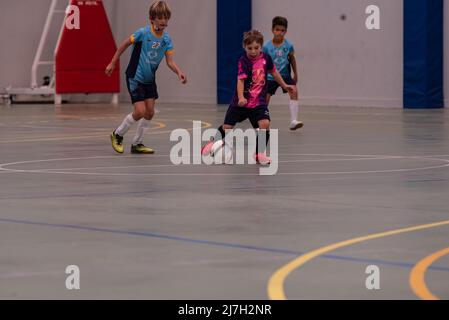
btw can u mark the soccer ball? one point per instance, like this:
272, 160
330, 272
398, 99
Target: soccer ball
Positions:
222, 153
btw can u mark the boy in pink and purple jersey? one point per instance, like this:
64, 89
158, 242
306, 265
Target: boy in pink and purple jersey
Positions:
249, 101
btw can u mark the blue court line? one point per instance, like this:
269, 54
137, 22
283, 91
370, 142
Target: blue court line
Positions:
218, 244
131, 193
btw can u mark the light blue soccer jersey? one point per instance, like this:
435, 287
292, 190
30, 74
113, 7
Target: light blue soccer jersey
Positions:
279, 54
148, 52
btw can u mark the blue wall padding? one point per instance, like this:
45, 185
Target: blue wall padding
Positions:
233, 18
423, 54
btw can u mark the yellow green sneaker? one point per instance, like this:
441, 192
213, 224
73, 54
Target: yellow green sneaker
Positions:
117, 142
140, 148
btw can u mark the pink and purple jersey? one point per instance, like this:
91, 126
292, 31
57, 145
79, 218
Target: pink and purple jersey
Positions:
254, 73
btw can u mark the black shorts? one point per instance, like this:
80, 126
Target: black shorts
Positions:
239, 114
141, 91
273, 85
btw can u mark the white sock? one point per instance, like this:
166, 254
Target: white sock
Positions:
141, 128
126, 124
294, 106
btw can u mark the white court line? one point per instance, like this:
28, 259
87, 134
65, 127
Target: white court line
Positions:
338, 155
4, 165
437, 155
336, 160
124, 167
27, 274
172, 165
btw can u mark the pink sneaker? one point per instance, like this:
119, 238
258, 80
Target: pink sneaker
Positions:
206, 149
261, 158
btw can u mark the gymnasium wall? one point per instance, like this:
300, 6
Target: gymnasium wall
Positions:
340, 61
21, 26
192, 28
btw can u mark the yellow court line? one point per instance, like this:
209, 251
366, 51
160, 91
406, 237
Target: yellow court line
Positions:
417, 275
276, 282
160, 125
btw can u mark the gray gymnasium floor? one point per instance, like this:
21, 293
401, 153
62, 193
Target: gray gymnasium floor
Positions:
139, 227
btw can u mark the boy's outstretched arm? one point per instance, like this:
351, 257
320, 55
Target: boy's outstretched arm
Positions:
294, 67
240, 88
174, 67
282, 83
111, 66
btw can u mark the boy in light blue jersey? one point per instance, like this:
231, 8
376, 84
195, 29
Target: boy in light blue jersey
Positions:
283, 54
150, 45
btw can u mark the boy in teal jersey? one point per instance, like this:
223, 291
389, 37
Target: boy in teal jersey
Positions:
283, 54
150, 45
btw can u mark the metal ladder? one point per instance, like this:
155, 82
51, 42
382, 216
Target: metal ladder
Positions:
34, 89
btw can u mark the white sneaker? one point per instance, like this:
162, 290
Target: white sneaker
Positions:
296, 125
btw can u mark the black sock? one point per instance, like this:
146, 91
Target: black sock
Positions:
264, 146
220, 134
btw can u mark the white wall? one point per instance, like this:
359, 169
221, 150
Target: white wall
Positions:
341, 62
192, 29
21, 24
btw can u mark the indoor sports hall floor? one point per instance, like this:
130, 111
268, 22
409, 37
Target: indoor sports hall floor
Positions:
139, 227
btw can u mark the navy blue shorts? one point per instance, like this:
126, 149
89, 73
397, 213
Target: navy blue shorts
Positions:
273, 85
235, 115
141, 91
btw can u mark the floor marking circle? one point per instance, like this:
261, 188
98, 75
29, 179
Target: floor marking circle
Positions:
275, 288
3, 166
417, 275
